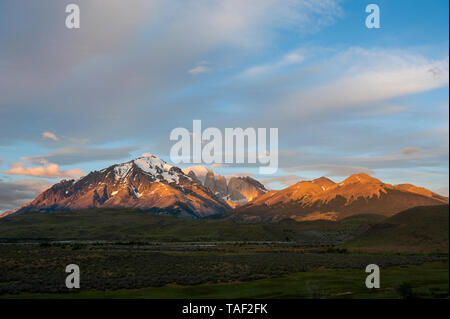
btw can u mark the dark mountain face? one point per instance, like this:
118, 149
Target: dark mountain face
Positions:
147, 183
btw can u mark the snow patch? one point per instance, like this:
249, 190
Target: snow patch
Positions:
134, 190
156, 166
121, 171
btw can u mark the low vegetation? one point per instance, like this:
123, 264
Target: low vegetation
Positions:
140, 226
129, 253
40, 268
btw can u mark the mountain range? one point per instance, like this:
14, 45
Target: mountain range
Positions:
324, 199
151, 184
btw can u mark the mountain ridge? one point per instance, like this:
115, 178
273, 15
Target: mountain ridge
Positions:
147, 182
236, 191
359, 193
151, 184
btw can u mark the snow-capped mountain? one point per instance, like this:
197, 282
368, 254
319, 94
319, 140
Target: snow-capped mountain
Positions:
148, 183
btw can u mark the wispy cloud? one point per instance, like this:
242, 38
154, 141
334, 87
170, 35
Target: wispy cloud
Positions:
74, 155
366, 77
264, 69
285, 180
49, 170
402, 156
50, 135
331, 170
199, 69
148, 70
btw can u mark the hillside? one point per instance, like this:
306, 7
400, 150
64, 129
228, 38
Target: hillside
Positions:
420, 229
135, 225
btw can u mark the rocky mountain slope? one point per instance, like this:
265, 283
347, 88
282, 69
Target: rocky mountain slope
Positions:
150, 184
236, 191
147, 183
323, 199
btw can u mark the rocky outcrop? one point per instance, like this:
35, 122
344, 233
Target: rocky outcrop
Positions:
238, 190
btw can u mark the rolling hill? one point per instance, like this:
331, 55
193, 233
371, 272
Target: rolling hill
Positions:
419, 229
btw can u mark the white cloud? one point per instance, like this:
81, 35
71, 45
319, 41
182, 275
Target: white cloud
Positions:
367, 77
49, 170
50, 135
287, 60
199, 69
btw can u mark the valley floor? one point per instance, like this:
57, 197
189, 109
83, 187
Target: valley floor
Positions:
134, 254
211, 270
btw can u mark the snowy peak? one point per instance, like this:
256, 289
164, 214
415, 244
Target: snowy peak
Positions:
148, 183
149, 163
158, 168
152, 166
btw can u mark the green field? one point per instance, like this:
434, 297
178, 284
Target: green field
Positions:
134, 254
139, 226
39, 268
418, 230
429, 280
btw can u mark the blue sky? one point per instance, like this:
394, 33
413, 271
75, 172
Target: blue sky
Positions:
345, 98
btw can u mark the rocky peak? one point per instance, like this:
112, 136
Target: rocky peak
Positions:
244, 189
238, 189
361, 178
210, 181
323, 181
148, 183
